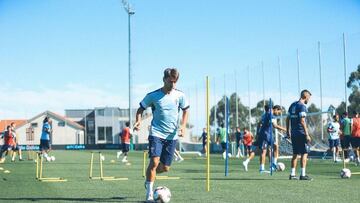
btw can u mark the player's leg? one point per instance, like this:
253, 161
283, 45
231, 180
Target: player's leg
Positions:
2, 153
263, 156
125, 151
166, 157
223, 146
118, 154
304, 150
155, 148
251, 154
295, 146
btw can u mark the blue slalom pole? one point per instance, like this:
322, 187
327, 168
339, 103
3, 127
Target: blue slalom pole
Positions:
227, 137
271, 138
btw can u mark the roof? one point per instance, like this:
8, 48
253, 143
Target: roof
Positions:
54, 116
4, 123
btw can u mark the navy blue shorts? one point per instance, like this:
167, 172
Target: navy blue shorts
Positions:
299, 144
44, 145
264, 143
125, 147
345, 142
355, 142
250, 148
334, 143
162, 148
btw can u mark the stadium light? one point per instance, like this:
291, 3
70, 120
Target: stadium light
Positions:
130, 12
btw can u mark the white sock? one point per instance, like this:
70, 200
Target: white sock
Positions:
303, 173
275, 160
292, 172
125, 157
149, 187
20, 156
262, 167
247, 160
180, 157
334, 157
45, 155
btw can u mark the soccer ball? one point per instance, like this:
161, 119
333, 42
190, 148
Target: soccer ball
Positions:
280, 166
162, 194
52, 158
48, 159
345, 173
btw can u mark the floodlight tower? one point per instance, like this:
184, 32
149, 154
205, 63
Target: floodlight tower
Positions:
130, 12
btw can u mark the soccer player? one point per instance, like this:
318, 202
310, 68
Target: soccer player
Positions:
166, 103
9, 143
222, 140
355, 139
45, 146
266, 137
239, 137
125, 142
346, 135
333, 129
204, 140
298, 132
17, 148
248, 141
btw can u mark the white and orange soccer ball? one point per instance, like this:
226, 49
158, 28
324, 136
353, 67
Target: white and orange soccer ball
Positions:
345, 173
162, 194
280, 166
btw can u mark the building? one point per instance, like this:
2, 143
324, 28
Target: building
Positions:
65, 131
103, 125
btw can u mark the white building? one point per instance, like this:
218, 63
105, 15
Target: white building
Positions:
65, 131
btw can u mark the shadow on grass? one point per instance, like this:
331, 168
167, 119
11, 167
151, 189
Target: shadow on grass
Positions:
261, 179
65, 199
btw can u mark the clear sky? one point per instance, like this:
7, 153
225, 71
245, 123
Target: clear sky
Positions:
56, 55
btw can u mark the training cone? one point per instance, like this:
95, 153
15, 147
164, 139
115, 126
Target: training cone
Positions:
1, 168
6, 171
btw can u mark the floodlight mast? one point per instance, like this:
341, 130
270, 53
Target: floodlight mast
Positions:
130, 12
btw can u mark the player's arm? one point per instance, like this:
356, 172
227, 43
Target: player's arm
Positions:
184, 120
139, 113
279, 127
288, 126
303, 123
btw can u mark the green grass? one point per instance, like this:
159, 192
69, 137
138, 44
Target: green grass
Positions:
20, 185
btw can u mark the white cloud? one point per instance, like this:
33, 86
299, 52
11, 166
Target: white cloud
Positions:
26, 103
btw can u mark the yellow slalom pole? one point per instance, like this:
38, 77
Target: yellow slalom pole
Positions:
37, 166
41, 166
101, 167
91, 165
144, 164
208, 135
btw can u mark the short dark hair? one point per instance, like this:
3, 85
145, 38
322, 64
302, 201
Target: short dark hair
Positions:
127, 123
302, 94
171, 72
277, 107
12, 123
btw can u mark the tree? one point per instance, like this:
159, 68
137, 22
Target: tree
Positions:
354, 98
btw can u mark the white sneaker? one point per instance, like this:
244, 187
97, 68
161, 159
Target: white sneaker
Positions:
149, 197
124, 160
238, 156
347, 160
229, 155
224, 155
245, 164
118, 155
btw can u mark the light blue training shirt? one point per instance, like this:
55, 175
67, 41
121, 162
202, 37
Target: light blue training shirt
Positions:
166, 111
45, 135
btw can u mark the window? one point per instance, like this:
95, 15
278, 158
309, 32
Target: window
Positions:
90, 126
34, 125
29, 134
61, 124
109, 137
101, 112
101, 133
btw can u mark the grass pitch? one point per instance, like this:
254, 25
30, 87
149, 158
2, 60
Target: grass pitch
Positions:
20, 185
